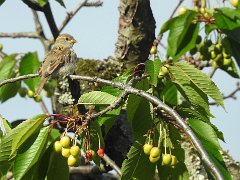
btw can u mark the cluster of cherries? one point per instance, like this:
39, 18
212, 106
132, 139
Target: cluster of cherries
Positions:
73, 153
154, 155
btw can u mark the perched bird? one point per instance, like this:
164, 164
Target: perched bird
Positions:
60, 61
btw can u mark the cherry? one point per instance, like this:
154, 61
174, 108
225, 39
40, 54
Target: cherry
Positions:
72, 160
66, 152
65, 141
57, 147
75, 150
147, 148
154, 160
174, 160
153, 49
167, 159
155, 152
100, 152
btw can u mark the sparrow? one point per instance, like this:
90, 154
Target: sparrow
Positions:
59, 62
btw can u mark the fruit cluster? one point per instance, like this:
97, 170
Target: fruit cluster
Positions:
24, 91
154, 155
208, 50
73, 153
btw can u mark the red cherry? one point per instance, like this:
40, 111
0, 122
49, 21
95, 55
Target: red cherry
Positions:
100, 152
88, 154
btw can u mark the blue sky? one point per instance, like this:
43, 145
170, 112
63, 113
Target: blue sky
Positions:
96, 31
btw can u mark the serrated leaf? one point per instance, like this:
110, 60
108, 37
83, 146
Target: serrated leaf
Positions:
138, 112
169, 94
29, 65
208, 138
205, 131
227, 18
189, 74
182, 34
190, 92
137, 164
209, 28
153, 68
26, 129
97, 98
7, 71
30, 153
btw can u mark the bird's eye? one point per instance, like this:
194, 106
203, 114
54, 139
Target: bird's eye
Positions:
67, 39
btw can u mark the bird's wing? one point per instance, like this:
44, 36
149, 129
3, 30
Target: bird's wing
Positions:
57, 59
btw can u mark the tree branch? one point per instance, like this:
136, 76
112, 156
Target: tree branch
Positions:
72, 13
50, 19
160, 105
111, 163
33, 35
154, 100
19, 78
33, 5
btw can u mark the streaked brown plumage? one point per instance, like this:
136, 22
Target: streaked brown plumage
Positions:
59, 61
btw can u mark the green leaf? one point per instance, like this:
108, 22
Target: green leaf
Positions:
26, 129
227, 18
115, 91
170, 94
61, 3
153, 68
186, 75
205, 131
97, 97
58, 168
138, 112
209, 28
30, 153
137, 164
1, 2
42, 2
183, 34
7, 70
29, 65
5, 126
209, 140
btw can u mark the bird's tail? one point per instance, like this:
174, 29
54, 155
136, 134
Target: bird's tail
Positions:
40, 86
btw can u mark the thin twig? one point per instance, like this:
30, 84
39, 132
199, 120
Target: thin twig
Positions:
176, 8
33, 35
44, 107
231, 95
72, 13
111, 163
19, 78
212, 72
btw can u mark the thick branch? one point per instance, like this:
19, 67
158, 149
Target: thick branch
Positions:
33, 5
50, 19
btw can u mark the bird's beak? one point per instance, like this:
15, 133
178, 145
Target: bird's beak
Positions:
73, 41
